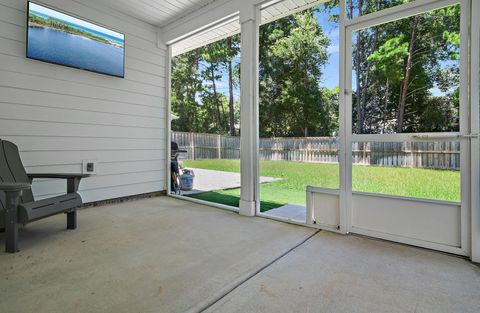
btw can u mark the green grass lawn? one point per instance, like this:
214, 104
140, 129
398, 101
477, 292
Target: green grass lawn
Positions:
410, 182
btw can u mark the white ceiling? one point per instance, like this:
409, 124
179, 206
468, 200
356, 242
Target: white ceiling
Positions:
162, 12
155, 12
232, 27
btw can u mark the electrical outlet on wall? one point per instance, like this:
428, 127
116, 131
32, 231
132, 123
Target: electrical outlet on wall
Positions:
89, 167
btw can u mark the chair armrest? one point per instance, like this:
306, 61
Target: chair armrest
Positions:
73, 180
13, 187
57, 175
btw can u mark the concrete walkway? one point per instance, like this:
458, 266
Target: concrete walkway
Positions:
294, 212
167, 255
208, 180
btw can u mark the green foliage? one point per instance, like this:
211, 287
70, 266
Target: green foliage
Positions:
292, 103
293, 51
196, 97
426, 47
357, 8
388, 59
186, 83
408, 68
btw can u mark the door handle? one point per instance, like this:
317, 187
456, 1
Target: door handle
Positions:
469, 136
446, 136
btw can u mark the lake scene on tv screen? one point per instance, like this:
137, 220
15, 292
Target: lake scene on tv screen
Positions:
59, 38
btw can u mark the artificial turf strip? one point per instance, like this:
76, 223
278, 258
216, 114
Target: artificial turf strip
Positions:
231, 197
408, 182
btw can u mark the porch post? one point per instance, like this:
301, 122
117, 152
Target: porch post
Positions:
475, 128
249, 21
345, 125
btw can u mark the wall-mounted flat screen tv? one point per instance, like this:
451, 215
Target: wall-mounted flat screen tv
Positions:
56, 37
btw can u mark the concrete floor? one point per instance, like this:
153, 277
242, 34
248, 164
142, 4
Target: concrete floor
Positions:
151, 255
334, 273
167, 255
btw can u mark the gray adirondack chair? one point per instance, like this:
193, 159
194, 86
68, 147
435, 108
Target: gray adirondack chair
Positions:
17, 205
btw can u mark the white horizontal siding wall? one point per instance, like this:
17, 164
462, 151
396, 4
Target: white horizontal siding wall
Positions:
59, 116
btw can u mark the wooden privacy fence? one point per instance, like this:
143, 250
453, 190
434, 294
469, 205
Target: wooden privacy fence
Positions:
438, 155
207, 146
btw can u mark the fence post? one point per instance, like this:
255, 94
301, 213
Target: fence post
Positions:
412, 156
219, 152
192, 146
364, 153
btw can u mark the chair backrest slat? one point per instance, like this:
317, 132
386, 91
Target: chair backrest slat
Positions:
12, 169
5, 174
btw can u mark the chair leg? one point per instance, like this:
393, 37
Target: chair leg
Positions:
72, 219
11, 225
11, 238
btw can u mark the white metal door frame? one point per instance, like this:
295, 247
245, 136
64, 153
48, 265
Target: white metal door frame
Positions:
470, 123
475, 127
347, 27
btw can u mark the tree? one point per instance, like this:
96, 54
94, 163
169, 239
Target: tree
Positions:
293, 51
186, 84
213, 55
402, 64
406, 76
232, 51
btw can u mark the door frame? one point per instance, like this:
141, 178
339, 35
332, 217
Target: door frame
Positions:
347, 28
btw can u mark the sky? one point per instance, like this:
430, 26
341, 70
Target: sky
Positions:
331, 69
71, 19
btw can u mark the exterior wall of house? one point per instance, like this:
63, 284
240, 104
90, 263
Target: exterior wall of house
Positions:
59, 116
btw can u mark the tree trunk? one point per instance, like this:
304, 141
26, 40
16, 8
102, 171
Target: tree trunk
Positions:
387, 97
367, 68
406, 79
350, 10
358, 87
364, 101
231, 104
191, 93
197, 87
215, 99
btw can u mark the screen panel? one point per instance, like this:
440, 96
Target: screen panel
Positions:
426, 170
406, 74
357, 8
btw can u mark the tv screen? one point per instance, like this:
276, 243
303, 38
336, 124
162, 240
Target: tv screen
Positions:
56, 37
